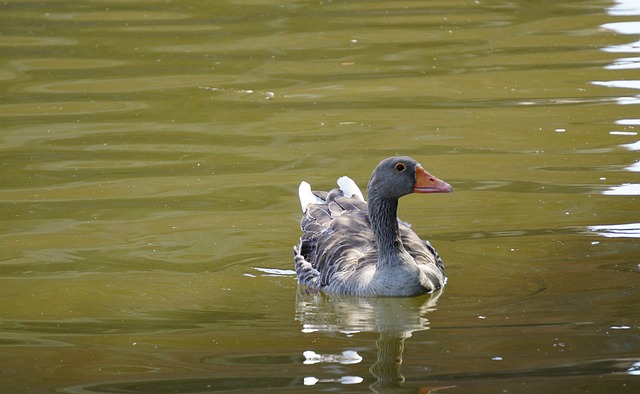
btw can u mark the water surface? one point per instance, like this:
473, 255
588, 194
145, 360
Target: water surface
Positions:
150, 154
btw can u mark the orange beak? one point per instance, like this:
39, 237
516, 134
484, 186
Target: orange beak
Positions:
427, 183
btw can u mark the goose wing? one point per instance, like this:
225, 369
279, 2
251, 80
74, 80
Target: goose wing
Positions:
337, 238
423, 253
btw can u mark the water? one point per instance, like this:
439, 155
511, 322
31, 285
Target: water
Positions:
150, 154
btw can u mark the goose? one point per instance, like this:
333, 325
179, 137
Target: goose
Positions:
357, 247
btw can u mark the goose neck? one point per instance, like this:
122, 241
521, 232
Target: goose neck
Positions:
384, 222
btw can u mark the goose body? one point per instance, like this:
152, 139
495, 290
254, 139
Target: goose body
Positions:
361, 248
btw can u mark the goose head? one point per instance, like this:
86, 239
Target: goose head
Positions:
401, 175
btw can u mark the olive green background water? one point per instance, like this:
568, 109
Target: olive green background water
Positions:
150, 153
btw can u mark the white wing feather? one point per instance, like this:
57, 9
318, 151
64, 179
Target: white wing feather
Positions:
307, 197
349, 188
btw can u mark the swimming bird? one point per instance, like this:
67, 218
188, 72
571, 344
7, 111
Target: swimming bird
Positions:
361, 248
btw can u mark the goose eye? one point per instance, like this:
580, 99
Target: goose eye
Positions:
399, 167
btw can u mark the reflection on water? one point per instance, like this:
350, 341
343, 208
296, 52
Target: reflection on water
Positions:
630, 230
624, 7
626, 189
339, 313
395, 319
634, 369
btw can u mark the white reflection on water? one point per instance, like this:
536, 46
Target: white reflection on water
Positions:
634, 369
395, 319
626, 189
631, 27
630, 47
624, 84
624, 63
630, 84
623, 27
632, 146
629, 230
347, 357
310, 380
635, 167
275, 271
625, 7
632, 122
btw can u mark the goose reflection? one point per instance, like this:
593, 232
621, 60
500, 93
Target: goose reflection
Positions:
395, 319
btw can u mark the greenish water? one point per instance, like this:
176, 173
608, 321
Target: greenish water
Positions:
150, 154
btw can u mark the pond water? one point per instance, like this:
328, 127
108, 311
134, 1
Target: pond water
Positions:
150, 154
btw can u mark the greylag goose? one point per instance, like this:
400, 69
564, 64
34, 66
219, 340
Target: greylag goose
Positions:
361, 248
